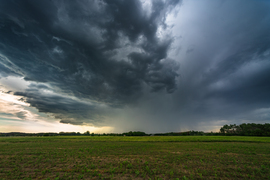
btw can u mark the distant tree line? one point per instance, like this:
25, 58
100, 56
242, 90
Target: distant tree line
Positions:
28, 134
186, 133
135, 133
250, 129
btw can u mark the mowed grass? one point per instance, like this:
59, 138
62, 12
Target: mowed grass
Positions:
87, 157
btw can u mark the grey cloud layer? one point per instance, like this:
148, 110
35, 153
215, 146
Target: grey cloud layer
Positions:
74, 46
226, 76
69, 110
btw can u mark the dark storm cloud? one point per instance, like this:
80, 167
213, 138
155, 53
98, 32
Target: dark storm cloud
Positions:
75, 46
246, 87
226, 75
67, 109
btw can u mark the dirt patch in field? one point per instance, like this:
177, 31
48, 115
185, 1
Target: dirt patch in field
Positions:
232, 154
177, 152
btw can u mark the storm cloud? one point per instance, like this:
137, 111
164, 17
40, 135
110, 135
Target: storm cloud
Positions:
76, 45
146, 65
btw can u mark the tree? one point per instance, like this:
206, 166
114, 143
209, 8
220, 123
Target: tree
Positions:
222, 130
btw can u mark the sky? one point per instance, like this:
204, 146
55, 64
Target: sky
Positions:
133, 65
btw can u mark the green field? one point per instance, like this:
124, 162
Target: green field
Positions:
106, 157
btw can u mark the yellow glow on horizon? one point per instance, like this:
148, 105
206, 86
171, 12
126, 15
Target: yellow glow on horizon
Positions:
42, 126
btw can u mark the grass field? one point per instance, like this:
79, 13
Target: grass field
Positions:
87, 157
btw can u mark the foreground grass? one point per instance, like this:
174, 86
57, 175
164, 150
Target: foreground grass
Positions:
190, 157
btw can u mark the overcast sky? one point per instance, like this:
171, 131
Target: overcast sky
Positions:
133, 65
